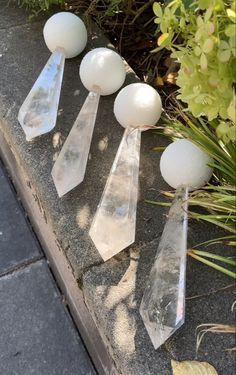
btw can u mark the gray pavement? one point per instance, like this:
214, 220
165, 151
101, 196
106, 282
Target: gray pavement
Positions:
37, 335
17, 243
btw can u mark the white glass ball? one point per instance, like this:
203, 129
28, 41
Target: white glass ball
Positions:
137, 104
183, 163
65, 30
102, 70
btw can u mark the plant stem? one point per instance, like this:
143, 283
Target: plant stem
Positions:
213, 265
214, 256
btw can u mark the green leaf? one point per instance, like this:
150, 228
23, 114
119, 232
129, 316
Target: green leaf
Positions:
213, 265
203, 61
219, 6
210, 28
197, 51
230, 30
157, 10
231, 14
208, 45
232, 134
164, 26
232, 41
200, 22
224, 45
182, 23
223, 55
204, 4
207, 254
214, 241
232, 109
213, 80
222, 129
208, 13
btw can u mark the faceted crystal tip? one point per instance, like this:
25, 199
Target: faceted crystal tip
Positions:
158, 333
113, 227
38, 113
69, 168
163, 303
62, 185
111, 236
66, 173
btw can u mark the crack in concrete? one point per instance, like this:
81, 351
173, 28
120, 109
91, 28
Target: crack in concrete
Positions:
22, 266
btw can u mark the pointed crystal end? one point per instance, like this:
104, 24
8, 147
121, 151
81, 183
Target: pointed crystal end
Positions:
34, 124
38, 113
158, 331
62, 183
69, 168
111, 236
163, 303
113, 227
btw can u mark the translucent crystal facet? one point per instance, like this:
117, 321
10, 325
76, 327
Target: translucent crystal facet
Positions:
113, 227
163, 303
38, 113
69, 168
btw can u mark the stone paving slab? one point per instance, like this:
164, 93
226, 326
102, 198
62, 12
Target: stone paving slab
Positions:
37, 334
113, 293
18, 245
15, 16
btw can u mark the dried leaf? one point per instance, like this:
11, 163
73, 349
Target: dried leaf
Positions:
171, 78
159, 81
162, 38
192, 368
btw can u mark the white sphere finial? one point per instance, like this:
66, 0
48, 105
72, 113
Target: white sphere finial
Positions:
67, 31
184, 164
136, 105
102, 70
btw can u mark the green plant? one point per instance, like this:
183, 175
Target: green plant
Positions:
37, 6
218, 199
206, 136
220, 204
109, 7
202, 37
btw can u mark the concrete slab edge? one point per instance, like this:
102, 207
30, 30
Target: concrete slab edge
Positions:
61, 268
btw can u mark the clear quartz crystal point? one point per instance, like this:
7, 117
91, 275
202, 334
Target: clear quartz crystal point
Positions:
163, 303
69, 168
38, 113
113, 227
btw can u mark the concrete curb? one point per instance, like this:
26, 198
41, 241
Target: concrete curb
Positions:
59, 264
